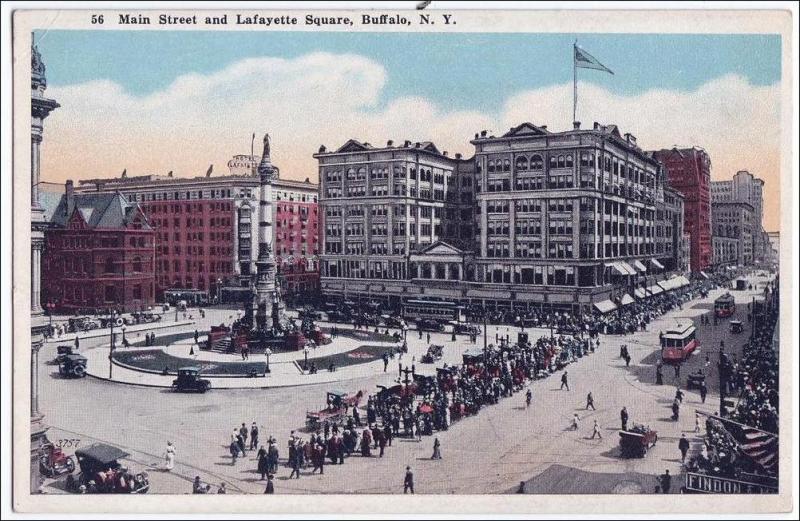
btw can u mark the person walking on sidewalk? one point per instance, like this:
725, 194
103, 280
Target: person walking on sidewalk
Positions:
437, 453
683, 446
666, 482
623, 416
408, 481
596, 431
564, 382
590, 402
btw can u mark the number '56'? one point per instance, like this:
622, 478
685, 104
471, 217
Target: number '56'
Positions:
97, 19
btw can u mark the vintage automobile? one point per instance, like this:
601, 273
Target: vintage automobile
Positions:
428, 324
636, 441
54, 462
736, 327
77, 324
434, 353
696, 380
102, 473
189, 381
335, 411
392, 321
62, 351
463, 328
473, 356
72, 366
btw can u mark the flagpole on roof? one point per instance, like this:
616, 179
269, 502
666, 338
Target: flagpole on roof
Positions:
574, 82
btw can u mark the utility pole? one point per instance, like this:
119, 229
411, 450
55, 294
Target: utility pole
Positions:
111, 346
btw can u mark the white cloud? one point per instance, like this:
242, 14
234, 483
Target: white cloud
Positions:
323, 98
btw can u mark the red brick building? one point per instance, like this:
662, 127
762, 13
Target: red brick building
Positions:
689, 172
99, 254
206, 235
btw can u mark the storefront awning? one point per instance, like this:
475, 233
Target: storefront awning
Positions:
627, 299
657, 264
639, 266
683, 281
703, 274
605, 306
640, 293
674, 283
655, 289
629, 268
617, 266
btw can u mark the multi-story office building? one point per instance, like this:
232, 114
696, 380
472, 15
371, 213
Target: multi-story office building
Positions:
99, 253
562, 220
689, 171
383, 206
746, 188
206, 229
732, 226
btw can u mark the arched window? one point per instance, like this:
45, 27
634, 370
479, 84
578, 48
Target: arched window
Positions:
490, 166
109, 268
521, 163
569, 160
506, 165
537, 163
137, 264
561, 162
553, 162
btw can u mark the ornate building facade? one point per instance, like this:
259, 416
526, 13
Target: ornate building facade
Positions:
41, 107
565, 220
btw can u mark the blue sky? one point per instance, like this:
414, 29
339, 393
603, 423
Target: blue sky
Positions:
464, 71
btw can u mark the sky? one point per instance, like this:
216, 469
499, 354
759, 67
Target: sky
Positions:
158, 101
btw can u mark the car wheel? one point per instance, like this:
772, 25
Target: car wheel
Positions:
70, 465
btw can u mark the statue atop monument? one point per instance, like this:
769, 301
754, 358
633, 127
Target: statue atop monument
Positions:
266, 146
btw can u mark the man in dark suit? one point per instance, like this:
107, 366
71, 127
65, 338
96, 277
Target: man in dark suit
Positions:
623, 416
408, 481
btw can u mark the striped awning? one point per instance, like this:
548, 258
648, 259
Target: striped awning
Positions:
638, 265
605, 306
674, 283
627, 299
655, 289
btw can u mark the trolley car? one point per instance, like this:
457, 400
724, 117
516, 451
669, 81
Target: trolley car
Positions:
678, 344
724, 306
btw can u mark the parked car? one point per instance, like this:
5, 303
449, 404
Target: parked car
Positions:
736, 327
62, 352
77, 324
464, 328
72, 366
54, 462
427, 324
102, 473
636, 441
434, 353
189, 381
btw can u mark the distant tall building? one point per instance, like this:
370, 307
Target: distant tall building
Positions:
689, 172
744, 187
732, 229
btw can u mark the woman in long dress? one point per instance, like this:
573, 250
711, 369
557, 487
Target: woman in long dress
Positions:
170, 456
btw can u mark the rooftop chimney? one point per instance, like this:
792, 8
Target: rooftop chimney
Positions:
407, 143
458, 155
322, 149
416, 145
69, 190
444, 153
483, 133
596, 125
389, 143
576, 125
476, 135
543, 127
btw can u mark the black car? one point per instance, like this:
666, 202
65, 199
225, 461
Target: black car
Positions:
427, 324
189, 381
72, 366
101, 472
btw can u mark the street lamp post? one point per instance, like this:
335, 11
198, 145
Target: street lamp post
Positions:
111, 346
305, 362
123, 335
268, 352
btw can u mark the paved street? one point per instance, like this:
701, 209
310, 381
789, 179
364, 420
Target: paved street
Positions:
490, 452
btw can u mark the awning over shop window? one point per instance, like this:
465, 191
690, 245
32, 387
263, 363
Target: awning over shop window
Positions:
617, 266
640, 293
639, 266
627, 299
683, 281
657, 264
654, 290
703, 274
629, 268
605, 306
674, 283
